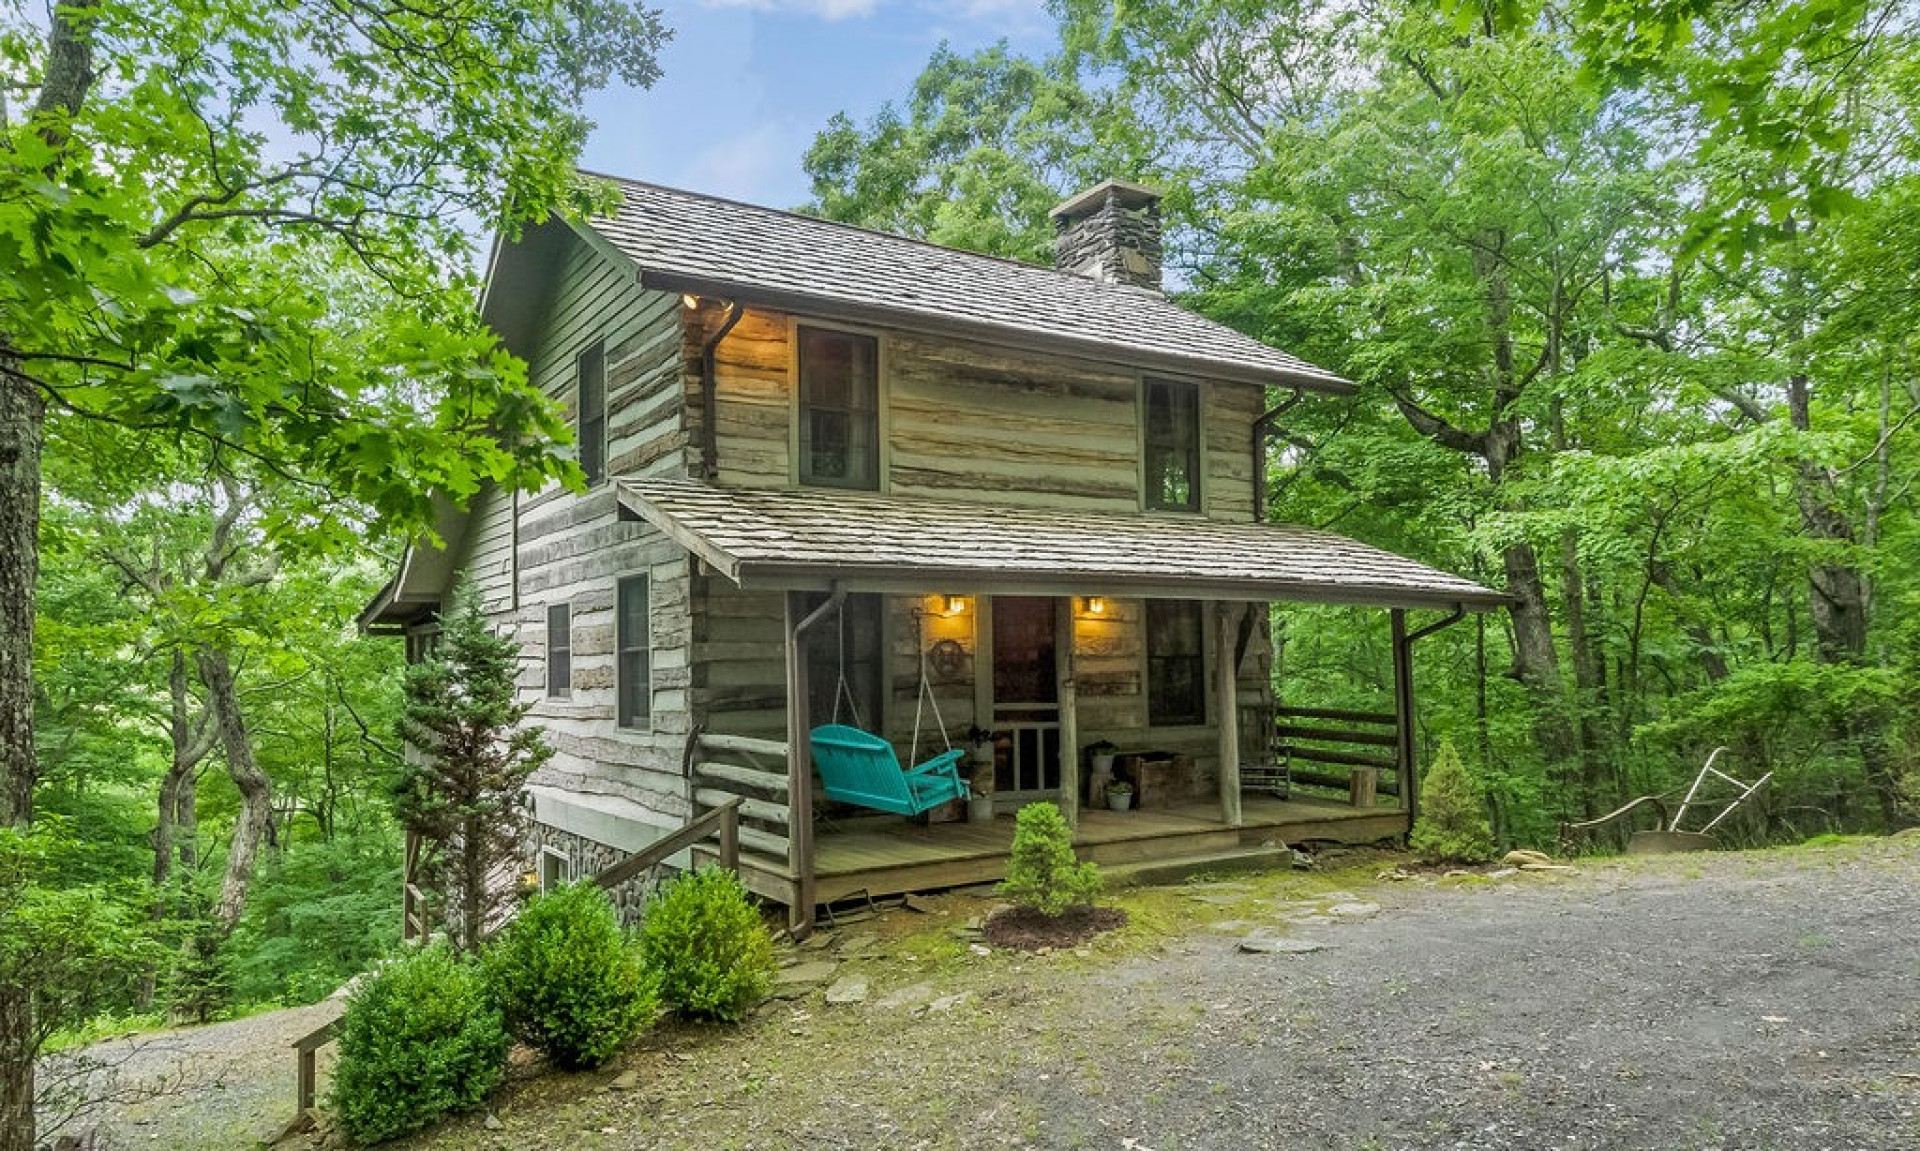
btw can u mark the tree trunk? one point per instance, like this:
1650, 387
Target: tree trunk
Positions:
256, 794
23, 415
473, 885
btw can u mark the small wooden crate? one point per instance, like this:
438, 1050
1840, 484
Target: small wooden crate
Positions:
1159, 778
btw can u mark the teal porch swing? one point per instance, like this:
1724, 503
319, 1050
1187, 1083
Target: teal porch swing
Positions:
860, 768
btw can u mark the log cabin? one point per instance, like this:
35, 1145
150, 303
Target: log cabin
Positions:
841, 476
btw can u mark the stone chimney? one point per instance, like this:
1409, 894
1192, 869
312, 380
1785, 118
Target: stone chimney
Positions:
1110, 233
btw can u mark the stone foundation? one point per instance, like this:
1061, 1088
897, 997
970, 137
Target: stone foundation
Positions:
586, 858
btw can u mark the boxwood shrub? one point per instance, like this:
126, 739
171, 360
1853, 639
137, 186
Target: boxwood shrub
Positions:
420, 1039
568, 979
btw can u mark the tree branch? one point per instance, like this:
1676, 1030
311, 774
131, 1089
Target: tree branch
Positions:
1437, 429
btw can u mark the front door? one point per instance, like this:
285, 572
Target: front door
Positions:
1026, 699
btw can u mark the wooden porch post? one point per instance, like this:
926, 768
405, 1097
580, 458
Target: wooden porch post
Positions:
1069, 717
1403, 717
799, 776
1227, 718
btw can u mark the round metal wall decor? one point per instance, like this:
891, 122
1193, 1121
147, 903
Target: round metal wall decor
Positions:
947, 659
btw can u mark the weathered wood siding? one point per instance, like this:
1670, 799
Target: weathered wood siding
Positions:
739, 678
967, 420
570, 548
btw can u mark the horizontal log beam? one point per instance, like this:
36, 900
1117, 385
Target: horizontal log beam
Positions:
1335, 735
1340, 782
745, 744
749, 808
1381, 717
764, 842
1344, 758
765, 781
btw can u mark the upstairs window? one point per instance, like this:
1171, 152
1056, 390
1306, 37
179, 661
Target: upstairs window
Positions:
559, 650
591, 419
1173, 446
633, 643
1176, 664
839, 409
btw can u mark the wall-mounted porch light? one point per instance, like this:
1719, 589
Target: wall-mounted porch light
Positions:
1096, 605
954, 604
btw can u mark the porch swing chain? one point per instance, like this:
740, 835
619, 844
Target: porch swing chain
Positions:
925, 696
844, 690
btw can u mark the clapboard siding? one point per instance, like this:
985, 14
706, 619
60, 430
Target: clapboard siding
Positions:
487, 552
969, 420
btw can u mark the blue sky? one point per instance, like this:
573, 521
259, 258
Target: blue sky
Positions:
748, 83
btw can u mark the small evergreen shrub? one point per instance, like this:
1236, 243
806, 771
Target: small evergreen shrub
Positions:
568, 980
420, 1039
1453, 825
1043, 874
705, 943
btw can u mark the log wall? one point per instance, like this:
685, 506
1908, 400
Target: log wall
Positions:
966, 420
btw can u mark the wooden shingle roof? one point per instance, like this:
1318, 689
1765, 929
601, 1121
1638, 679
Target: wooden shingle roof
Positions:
812, 537
684, 242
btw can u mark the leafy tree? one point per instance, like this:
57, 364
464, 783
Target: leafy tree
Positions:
187, 197
984, 146
465, 793
75, 947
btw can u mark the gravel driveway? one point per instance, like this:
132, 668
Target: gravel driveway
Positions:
1762, 1001
1748, 1001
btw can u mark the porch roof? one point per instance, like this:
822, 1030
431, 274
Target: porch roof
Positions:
813, 538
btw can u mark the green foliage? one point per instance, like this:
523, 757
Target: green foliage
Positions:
418, 1040
319, 914
568, 979
985, 145
77, 948
705, 942
1453, 824
1042, 873
464, 793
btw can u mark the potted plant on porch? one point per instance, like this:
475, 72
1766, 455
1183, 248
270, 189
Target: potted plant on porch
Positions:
1100, 757
1119, 795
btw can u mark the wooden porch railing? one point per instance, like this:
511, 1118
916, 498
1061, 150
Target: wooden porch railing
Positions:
722, 822
1340, 738
751, 774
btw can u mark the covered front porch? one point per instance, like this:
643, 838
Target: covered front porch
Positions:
1052, 632
889, 857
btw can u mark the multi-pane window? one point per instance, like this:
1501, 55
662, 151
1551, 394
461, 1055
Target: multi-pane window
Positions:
559, 649
839, 409
1173, 446
1176, 667
591, 419
633, 645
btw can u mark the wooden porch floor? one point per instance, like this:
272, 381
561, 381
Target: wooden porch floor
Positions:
892, 856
